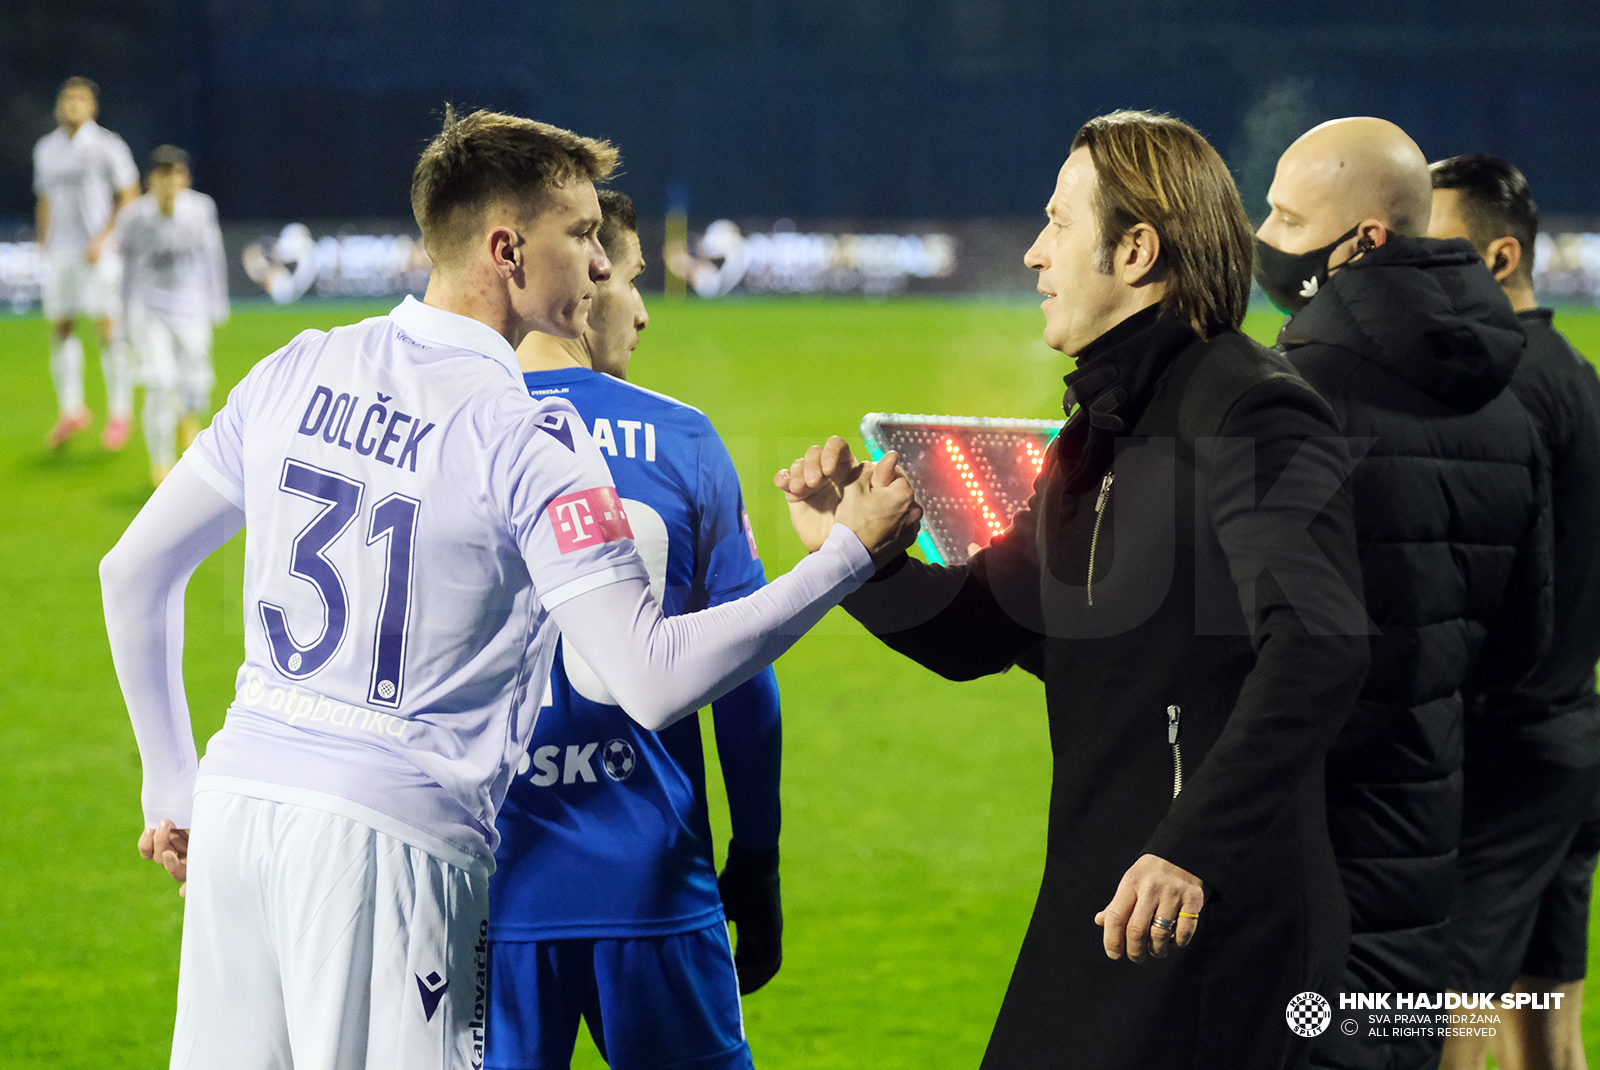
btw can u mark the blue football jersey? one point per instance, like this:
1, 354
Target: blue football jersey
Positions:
604, 831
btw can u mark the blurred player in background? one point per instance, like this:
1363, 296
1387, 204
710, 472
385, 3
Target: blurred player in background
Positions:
1530, 828
630, 934
419, 530
175, 281
83, 175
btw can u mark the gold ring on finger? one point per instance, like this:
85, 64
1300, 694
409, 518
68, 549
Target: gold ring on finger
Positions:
1186, 914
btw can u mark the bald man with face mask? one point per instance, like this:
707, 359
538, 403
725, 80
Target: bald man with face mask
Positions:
1413, 343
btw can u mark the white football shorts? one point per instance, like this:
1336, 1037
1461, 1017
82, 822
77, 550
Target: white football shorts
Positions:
174, 355
74, 288
314, 942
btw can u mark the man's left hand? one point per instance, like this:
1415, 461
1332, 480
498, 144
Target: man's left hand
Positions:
814, 485
749, 888
167, 846
1152, 888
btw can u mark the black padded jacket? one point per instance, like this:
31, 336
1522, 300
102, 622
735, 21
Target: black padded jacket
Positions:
1413, 345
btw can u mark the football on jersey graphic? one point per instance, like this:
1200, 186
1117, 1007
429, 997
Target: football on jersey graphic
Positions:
618, 759
432, 989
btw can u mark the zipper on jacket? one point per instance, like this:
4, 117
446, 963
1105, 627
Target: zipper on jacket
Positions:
1177, 751
1094, 538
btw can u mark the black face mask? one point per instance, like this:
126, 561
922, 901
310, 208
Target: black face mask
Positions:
1291, 280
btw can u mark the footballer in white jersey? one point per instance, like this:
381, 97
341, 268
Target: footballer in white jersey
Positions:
419, 529
175, 285
83, 174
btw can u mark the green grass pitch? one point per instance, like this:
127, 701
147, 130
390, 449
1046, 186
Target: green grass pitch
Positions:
914, 809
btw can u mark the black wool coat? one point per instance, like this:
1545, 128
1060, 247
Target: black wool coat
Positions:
1224, 589
1414, 345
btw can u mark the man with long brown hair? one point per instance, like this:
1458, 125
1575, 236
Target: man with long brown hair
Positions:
1185, 581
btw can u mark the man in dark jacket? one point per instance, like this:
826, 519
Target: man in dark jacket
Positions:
1531, 832
1185, 576
1413, 344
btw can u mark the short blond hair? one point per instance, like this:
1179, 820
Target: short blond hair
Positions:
486, 157
1158, 170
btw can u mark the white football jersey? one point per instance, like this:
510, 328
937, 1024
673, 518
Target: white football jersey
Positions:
411, 518
174, 264
80, 176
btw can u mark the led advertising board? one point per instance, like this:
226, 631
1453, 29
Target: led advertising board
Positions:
971, 474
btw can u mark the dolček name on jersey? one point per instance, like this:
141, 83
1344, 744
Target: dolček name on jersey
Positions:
376, 435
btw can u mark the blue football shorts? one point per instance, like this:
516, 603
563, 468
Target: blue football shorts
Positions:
651, 1002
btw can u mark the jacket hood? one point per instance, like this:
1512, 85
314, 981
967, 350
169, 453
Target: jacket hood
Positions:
1426, 309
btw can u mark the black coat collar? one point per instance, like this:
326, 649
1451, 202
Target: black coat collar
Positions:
1117, 372
1115, 379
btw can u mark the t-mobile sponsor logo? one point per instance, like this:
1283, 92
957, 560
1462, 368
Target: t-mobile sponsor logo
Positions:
750, 534
588, 518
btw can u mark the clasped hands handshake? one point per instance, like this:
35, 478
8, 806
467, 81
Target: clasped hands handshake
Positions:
829, 486
826, 486
1157, 905
873, 499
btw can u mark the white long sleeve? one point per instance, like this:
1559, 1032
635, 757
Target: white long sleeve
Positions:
660, 668
142, 583
664, 668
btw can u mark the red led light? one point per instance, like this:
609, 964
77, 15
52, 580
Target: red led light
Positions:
969, 479
1035, 456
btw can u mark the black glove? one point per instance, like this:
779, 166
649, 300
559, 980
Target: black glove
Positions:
749, 889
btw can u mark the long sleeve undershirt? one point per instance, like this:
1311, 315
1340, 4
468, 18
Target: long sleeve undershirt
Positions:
660, 668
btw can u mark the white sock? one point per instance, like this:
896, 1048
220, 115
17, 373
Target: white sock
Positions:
119, 378
66, 369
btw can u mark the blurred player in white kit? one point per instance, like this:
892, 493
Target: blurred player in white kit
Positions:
83, 174
175, 285
419, 531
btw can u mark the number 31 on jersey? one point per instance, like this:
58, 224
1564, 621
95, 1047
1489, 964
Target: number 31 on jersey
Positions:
394, 521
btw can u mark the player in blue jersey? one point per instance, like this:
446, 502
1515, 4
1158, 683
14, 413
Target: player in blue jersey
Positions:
605, 903
421, 533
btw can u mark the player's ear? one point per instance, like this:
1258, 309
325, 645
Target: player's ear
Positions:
505, 251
